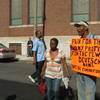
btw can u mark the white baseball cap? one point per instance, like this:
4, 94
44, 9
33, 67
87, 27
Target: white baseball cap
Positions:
81, 23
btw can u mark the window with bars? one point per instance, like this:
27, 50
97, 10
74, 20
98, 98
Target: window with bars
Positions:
80, 10
35, 11
16, 12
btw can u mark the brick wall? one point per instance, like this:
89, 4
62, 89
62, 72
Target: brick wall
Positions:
57, 23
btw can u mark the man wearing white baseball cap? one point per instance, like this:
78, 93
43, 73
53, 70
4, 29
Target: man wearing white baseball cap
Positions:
84, 23
83, 29
86, 84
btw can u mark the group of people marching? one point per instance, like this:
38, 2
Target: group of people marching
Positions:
51, 66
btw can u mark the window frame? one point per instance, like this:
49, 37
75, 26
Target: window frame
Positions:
98, 10
11, 19
37, 18
72, 15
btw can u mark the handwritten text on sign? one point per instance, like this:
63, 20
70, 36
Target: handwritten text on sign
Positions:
86, 56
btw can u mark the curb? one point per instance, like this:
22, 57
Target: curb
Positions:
21, 57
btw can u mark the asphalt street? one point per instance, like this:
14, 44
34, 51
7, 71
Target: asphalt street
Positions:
14, 82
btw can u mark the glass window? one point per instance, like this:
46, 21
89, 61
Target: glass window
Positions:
35, 11
80, 10
16, 12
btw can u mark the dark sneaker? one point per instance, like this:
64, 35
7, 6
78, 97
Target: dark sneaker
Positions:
30, 77
37, 82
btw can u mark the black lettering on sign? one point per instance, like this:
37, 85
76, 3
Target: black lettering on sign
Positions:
96, 41
79, 68
74, 66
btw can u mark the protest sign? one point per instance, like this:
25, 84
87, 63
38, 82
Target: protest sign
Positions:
86, 56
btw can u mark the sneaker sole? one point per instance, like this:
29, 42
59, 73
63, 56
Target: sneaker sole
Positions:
31, 79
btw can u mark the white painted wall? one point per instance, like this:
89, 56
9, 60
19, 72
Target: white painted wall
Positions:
64, 43
22, 40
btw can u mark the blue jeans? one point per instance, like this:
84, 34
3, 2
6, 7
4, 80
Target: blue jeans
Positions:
86, 86
53, 86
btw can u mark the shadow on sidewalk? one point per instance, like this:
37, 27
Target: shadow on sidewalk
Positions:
11, 97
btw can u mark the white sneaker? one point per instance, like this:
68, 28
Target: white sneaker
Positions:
31, 78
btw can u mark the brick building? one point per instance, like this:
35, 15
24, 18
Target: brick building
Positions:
20, 18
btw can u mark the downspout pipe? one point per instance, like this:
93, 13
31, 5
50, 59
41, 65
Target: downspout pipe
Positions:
44, 16
35, 19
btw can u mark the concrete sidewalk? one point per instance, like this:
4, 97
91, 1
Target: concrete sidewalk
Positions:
23, 57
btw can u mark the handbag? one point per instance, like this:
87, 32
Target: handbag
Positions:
66, 93
42, 88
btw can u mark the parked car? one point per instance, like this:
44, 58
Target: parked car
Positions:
6, 52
